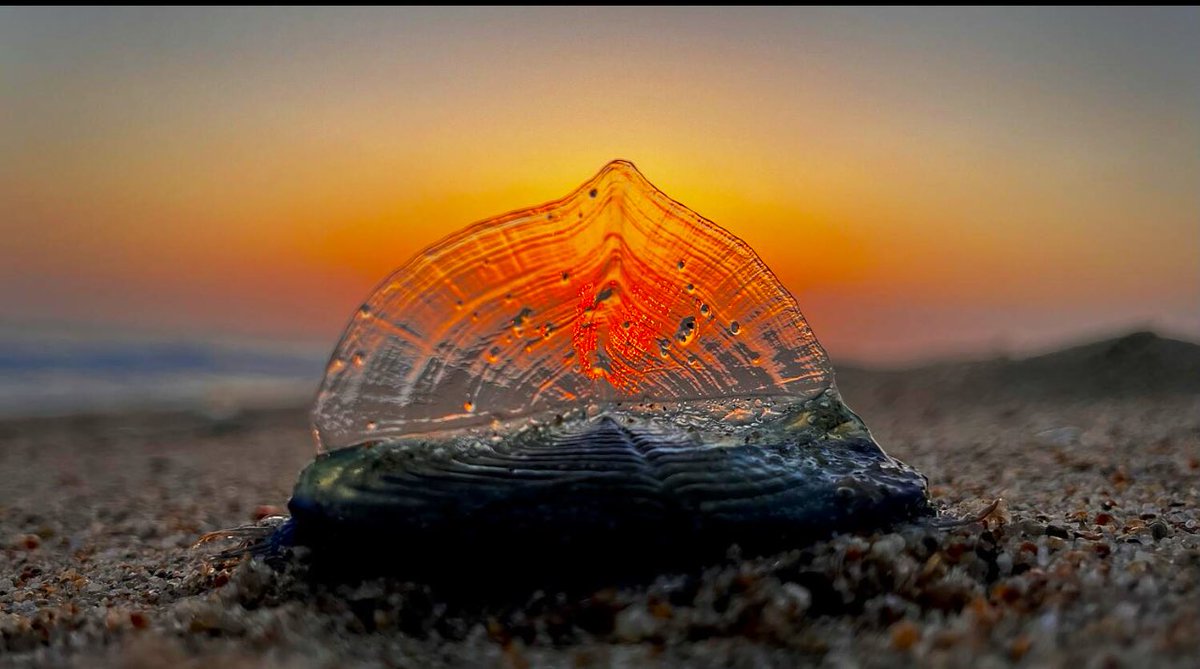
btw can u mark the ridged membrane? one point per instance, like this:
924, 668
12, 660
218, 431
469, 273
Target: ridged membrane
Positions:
614, 292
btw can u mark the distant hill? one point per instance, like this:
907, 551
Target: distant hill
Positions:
1137, 364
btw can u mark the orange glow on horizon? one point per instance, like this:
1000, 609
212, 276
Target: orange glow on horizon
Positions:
918, 185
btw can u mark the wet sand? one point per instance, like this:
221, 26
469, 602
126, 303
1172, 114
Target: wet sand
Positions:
1092, 559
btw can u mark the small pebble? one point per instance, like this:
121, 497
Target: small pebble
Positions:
1058, 531
905, 635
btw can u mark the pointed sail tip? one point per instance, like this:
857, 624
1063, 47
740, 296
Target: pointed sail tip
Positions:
621, 167
619, 171
622, 164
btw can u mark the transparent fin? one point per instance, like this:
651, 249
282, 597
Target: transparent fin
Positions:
615, 293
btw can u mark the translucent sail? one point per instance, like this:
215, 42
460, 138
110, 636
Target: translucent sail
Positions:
616, 293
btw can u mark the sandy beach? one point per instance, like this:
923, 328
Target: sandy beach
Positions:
1091, 559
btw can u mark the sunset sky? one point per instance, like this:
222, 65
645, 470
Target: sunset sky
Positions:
968, 181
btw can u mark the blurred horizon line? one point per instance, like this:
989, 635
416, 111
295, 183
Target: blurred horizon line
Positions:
71, 370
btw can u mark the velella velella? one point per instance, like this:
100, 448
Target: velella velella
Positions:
605, 383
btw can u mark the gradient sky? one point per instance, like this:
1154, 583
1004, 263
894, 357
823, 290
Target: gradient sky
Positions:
926, 182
